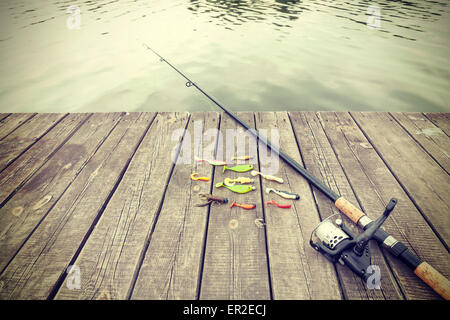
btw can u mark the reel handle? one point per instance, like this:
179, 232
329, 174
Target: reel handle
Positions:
364, 238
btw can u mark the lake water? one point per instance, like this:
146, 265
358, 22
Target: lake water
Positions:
85, 56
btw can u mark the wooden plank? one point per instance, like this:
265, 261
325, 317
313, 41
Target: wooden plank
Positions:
171, 267
110, 258
297, 271
26, 209
24, 136
430, 137
43, 259
235, 262
424, 181
13, 177
374, 186
321, 161
441, 120
12, 122
3, 116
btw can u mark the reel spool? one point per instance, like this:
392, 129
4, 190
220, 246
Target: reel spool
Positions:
337, 242
329, 233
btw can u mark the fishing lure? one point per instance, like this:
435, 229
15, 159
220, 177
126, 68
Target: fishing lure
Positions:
195, 178
243, 206
241, 158
241, 168
266, 176
209, 198
284, 206
211, 162
284, 194
241, 180
239, 188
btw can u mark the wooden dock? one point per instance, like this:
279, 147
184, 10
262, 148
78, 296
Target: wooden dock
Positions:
93, 207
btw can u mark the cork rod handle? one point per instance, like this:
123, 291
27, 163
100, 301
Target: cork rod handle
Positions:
348, 209
424, 271
434, 279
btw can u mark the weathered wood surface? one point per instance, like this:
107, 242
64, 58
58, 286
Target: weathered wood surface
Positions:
321, 160
12, 122
110, 194
172, 264
296, 271
235, 262
425, 181
429, 136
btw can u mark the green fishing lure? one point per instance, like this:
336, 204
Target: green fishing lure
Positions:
241, 168
238, 188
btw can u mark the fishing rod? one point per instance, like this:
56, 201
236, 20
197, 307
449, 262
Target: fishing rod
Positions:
331, 237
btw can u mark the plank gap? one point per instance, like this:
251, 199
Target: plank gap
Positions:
430, 154
269, 273
21, 123
158, 211
31, 175
200, 276
405, 189
63, 275
11, 161
358, 200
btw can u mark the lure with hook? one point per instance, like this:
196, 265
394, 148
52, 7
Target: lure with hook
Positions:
284, 194
243, 206
239, 188
241, 168
211, 161
266, 176
195, 178
284, 206
241, 158
241, 180
209, 198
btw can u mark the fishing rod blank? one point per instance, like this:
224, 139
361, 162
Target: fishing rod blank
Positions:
422, 269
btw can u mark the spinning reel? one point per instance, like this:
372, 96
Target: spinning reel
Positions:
338, 244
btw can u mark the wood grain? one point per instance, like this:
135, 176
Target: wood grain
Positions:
44, 258
100, 192
12, 122
297, 271
430, 137
321, 160
425, 182
26, 209
15, 175
111, 256
440, 119
375, 185
23, 137
171, 267
2, 117
235, 262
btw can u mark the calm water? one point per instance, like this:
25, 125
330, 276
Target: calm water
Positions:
249, 55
